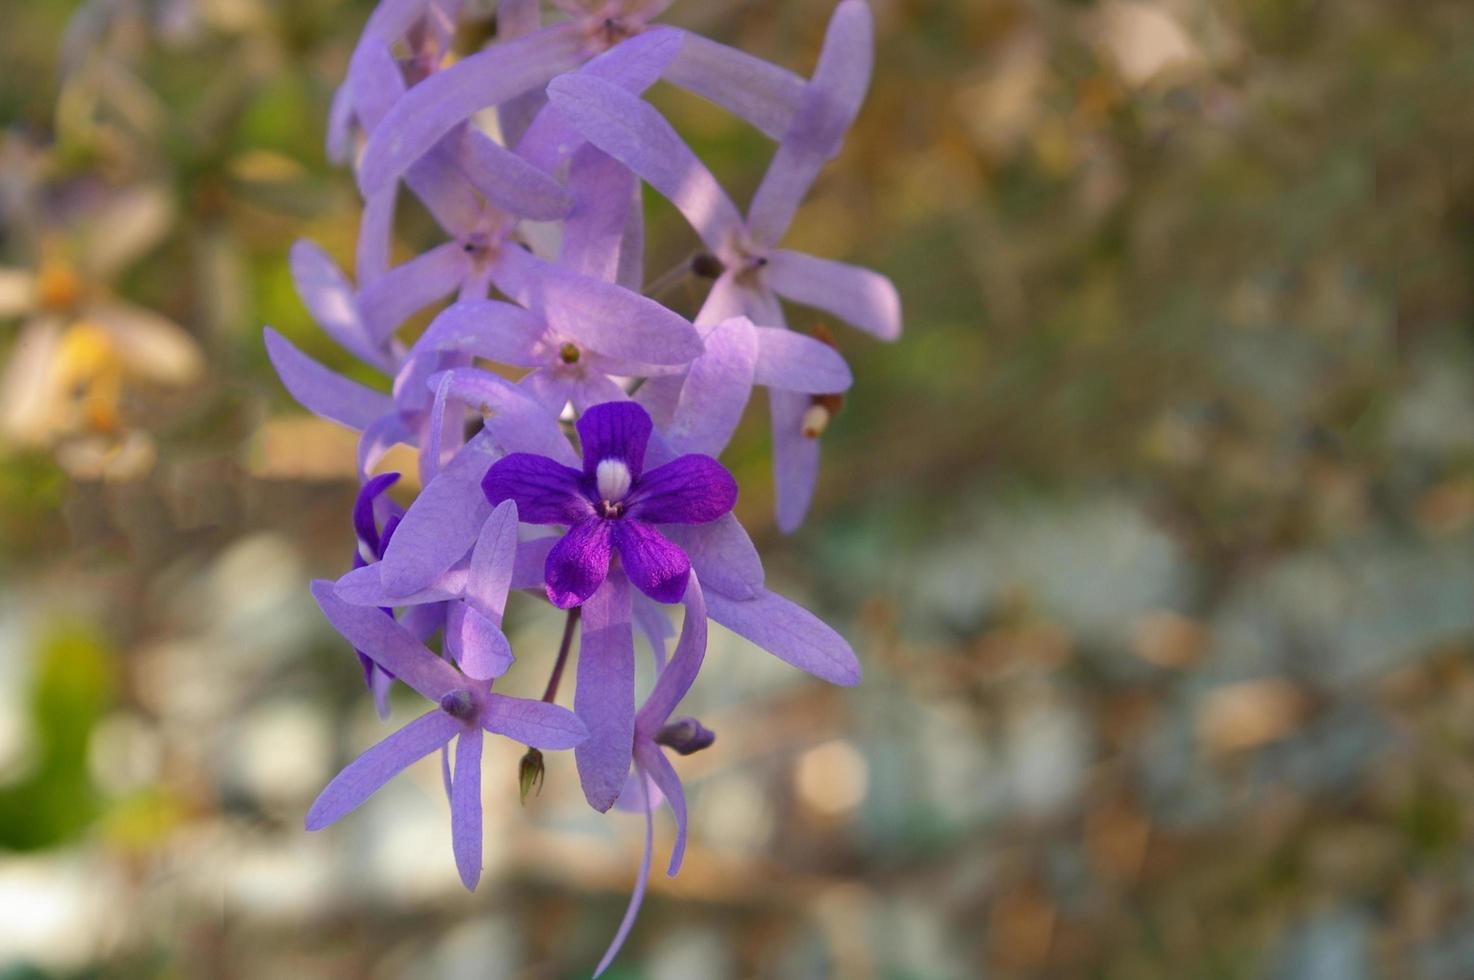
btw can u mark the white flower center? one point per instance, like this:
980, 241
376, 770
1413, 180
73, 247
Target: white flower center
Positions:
613, 478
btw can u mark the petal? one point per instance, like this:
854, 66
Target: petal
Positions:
829, 105
858, 296
492, 562
149, 345
517, 423
656, 567
691, 489
364, 775
751, 89
607, 318
447, 98
630, 129
595, 389
605, 695
578, 564
510, 182
497, 331
328, 296
465, 809
678, 676
633, 65
376, 236
387, 643
322, 391
406, 289
593, 233
795, 458
437, 179
795, 362
790, 633
614, 430
533, 723
670, 784
637, 897
545, 492
476, 643
440, 526
365, 587
722, 553
716, 390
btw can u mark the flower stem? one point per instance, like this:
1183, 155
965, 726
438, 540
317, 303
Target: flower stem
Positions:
669, 277
552, 692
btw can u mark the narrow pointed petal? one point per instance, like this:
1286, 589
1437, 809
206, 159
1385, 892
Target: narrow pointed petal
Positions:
364, 587
607, 318
654, 565
678, 676
533, 723
406, 289
716, 390
829, 105
492, 562
543, 491
664, 775
476, 643
605, 695
593, 234
322, 391
691, 489
631, 130
376, 236
387, 643
795, 362
637, 897
795, 459
579, 563
751, 89
447, 98
441, 525
492, 329
634, 65
789, 632
364, 775
465, 808
510, 182
858, 296
328, 296
722, 553
616, 430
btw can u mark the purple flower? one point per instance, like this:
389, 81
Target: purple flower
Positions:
613, 504
463, 709
755, 271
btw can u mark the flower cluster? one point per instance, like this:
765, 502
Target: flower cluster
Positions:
641, 514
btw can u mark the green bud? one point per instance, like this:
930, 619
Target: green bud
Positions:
530, 773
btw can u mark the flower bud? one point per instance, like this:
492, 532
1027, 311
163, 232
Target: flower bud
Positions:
530, 772
685, 735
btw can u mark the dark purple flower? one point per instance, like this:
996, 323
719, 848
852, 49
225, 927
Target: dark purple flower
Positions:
613, 505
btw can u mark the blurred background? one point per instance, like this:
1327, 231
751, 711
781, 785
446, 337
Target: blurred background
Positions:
1155, 533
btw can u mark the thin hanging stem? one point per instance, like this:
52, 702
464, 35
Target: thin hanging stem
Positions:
552, 692
669, 277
